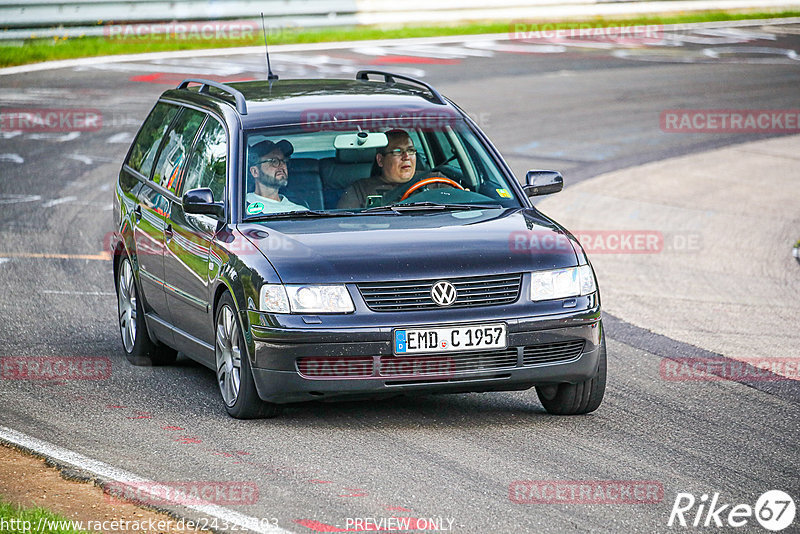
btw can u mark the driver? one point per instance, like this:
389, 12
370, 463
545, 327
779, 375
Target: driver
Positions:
397, 165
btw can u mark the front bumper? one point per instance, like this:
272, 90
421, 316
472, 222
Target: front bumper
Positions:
278, 350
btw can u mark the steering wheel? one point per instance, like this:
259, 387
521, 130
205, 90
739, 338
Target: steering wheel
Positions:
428, 181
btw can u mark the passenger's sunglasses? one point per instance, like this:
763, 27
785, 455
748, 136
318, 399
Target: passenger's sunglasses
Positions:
274, 162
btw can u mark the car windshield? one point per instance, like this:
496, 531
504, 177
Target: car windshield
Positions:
330, 169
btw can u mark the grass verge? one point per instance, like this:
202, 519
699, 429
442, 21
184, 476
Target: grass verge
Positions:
17, 520
37, 50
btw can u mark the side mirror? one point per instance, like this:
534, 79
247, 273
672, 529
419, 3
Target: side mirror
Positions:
201, 201
543, 183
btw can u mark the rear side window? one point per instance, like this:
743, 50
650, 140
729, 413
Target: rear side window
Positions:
208, 160
175, 152
143, 153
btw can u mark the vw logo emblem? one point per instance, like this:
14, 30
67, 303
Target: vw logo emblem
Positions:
443, 293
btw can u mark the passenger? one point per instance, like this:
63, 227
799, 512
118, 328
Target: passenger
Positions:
268, 167
396, 166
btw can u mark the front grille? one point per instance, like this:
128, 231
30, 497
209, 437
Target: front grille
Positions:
416, 294
325, 367
552, 352
445, 365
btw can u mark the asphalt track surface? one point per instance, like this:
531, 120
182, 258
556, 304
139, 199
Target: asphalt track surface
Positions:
584, 110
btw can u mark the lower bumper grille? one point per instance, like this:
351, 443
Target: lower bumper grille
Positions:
552, 352
445, 365
323, 367
437, 366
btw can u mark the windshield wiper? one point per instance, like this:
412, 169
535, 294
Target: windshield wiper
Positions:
429, 206
298, 214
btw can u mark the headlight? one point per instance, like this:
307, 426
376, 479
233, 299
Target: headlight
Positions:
272, 298
277, 298
562, 283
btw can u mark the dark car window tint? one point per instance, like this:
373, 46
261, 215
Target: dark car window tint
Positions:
176, 148
146, 144
207, 164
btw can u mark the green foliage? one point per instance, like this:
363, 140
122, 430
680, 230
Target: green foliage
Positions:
36, 50
13, 521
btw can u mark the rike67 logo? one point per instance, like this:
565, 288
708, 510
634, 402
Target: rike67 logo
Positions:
774, 510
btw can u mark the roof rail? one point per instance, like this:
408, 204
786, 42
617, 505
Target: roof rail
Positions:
241, 104
389, 77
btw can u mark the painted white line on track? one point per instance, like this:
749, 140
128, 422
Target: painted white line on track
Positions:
4, 260
259, 50
9, 198
57, 201
80, 157
89, 160
90, 293
122, 137
13, 158
101, 256
109, 473
50, 136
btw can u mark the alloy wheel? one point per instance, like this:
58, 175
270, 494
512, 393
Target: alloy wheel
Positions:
126, 300
229, 355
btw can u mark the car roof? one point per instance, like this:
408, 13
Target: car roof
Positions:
303, 101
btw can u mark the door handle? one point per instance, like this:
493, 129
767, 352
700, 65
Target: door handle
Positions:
168, 232
137, 212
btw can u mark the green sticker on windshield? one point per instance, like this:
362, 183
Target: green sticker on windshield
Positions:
255, 207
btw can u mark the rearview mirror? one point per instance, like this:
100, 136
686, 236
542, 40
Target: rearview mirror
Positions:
201, 201
539, 183
360, 140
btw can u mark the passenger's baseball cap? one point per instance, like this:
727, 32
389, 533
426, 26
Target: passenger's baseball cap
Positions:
261, 149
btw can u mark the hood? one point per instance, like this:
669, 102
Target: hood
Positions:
421, 245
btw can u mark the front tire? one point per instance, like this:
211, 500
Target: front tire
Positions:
139, 348
234, 375
575, 399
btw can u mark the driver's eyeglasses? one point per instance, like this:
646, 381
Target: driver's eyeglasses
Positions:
274, 162
398, 152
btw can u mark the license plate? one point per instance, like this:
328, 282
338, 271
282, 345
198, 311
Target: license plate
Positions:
450, 339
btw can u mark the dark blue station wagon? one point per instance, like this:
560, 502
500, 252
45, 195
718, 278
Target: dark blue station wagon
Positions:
323, 239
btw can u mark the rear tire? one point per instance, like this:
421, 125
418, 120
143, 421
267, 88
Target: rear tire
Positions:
139, 348
575, 399
234, 375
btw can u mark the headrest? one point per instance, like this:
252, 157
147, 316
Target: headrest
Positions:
366, 155
303, 165
339, 176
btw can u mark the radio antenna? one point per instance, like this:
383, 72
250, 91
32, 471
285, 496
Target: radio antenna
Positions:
270, 76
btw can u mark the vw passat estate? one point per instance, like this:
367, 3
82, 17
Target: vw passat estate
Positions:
324, 239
